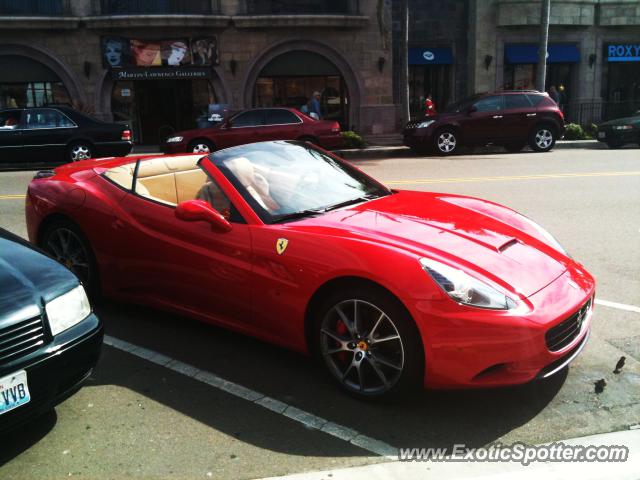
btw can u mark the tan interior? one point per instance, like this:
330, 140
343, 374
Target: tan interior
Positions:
169, 180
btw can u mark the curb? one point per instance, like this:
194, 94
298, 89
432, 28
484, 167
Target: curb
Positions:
402, 151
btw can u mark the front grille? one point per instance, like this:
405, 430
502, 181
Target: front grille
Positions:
21, 339
412, 125
564, 333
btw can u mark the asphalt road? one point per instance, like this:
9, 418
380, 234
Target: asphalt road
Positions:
141, 418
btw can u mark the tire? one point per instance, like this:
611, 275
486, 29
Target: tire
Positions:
201, 145
355, 357
614, 145
514, 147
543, 138
78, 255
79, 151
446, 142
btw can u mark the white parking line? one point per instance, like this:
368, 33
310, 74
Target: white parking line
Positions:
307, 419
619, 306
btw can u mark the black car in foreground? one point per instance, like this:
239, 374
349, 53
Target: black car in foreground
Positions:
58, 134
621, 131
50, 339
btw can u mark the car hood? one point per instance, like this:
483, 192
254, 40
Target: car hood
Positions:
621, 121
477, 236
28, 279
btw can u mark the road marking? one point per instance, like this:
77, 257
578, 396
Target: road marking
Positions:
12, 197
307, 419
515, 177
619, 306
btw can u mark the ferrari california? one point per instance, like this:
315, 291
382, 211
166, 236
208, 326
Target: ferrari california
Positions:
288, 243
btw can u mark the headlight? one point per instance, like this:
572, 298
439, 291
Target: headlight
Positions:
67, 310
174, 139
623, 127
425, 124
548, 237
463, 288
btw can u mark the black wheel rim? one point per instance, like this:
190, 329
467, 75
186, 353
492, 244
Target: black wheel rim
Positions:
67, 248
362, 347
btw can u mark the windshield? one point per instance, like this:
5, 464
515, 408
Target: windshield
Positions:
287, 180
460, 105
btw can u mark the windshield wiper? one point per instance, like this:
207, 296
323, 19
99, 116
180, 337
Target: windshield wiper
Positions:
353, 201
317, 211
297, 215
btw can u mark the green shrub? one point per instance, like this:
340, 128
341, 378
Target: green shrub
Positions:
575, 132
352, 140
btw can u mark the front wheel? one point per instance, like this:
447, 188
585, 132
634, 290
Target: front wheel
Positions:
369, 343
79, 151
446, 142
542, 139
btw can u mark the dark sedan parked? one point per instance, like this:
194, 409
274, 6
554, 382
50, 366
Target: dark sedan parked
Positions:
257, 125
621, 131
512, 119
49, 337
58, 134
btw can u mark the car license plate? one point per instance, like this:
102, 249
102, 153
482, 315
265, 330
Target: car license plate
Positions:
14, 391
602, 134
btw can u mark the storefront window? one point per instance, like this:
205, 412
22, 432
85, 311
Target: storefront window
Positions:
36, 94
156, 108
425, 80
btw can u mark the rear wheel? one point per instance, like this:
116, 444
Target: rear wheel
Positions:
368, 343
542, 138
66, 243
446, 142
201, 145
79, 151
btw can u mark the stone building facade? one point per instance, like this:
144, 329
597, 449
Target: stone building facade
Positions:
340, 47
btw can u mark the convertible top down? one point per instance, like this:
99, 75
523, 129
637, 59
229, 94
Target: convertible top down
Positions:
287, 242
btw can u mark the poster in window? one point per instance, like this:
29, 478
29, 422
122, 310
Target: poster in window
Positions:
146, 53
204, 51
175, 53
116, 52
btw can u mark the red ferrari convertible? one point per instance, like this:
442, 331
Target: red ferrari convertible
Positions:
288, 243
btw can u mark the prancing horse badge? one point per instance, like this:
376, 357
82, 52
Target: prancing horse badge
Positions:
281, 245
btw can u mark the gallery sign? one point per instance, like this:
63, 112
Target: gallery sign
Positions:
161, 73
625, 52
120, 52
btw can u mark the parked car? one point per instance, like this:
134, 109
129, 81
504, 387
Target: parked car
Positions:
286, 242
512, 119
49, 337
256, 125
58, 134
621, 131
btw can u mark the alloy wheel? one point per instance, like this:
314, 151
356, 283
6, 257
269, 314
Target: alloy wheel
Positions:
201, 148
544, 138
362, 347
447, 142
80, 152
65, 246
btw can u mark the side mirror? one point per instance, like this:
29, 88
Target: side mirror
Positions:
199, 210
471, 109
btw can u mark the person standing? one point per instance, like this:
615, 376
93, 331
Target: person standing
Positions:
429, 107
315, 105
553, 93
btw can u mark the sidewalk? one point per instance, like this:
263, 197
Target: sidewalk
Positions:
629, 470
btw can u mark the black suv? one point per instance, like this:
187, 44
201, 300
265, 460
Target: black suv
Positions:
512, 119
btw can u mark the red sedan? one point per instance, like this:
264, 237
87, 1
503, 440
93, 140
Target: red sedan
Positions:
256, 125
290, 244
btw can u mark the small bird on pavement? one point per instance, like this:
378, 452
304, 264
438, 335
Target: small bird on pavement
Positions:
619, 365
600, 384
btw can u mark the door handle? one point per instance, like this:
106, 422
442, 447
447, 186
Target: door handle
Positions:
531, 114
497, 116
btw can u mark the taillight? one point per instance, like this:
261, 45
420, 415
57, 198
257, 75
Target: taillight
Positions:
126, 136
561, 114
335, 127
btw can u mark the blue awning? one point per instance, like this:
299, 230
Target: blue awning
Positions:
430, 56
558, 53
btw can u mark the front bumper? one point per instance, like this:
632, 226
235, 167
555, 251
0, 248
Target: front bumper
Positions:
471, 348
57, 372
173, 147
417, 137
619, 137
